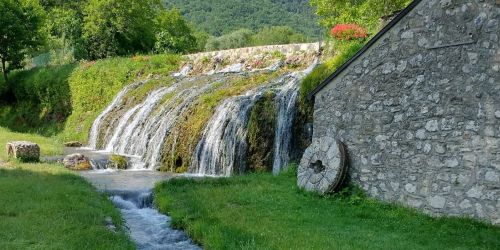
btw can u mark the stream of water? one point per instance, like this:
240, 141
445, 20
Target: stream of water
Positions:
147, 227
130, 192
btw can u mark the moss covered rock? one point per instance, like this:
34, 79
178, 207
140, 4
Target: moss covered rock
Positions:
119, 161
261, 130
77, 162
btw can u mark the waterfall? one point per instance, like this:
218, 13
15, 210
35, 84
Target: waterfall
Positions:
222, 147
139, 131
176, 107
94, 131
286, 100
133, 118
142, 129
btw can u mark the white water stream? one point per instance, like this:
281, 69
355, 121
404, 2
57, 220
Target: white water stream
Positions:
149, 229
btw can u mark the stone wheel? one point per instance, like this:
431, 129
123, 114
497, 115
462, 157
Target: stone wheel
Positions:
323, 167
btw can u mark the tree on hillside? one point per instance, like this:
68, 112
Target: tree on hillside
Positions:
20, 31
362, 12
236, 39
173, 34
119, 27
277, 35
221, 17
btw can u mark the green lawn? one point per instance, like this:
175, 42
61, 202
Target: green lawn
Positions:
260, 211
45, 206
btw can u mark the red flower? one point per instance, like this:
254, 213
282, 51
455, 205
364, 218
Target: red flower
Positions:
348, 32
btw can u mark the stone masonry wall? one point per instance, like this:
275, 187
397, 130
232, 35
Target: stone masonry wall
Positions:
420, 111
286, 49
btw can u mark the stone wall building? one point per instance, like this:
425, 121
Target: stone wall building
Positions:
419, 109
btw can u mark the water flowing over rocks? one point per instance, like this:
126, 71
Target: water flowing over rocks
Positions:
140, 127
94, 131
221, 150
147, 227
77, 162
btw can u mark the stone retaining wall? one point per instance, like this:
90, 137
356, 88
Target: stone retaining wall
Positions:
420, 111
286, 49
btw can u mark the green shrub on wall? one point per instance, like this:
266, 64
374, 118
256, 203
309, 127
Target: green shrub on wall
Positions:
344, 50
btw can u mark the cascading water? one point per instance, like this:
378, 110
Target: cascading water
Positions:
141, 130
129, 123
286, 101
222, 147
147, 227
94, 131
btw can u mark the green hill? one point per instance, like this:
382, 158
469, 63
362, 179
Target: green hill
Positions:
219, 17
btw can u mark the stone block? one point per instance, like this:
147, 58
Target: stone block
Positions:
23, 150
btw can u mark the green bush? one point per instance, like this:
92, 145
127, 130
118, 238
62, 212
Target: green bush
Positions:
40, 99
236, 39
311, 81
343, 52
277, 35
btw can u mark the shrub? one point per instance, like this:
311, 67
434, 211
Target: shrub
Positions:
345, 32
343, 52
277, 35
237, 39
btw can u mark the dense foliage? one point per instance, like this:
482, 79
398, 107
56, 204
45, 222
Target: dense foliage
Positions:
20, 31
236, 39
362, 12
41, 99
118, 27
219, 17
174, 35
91, 29
246, 38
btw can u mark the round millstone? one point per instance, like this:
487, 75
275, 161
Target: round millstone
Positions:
323, 167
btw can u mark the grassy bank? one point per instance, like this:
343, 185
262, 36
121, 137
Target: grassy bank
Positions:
64, 100
45, 206
260, 211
